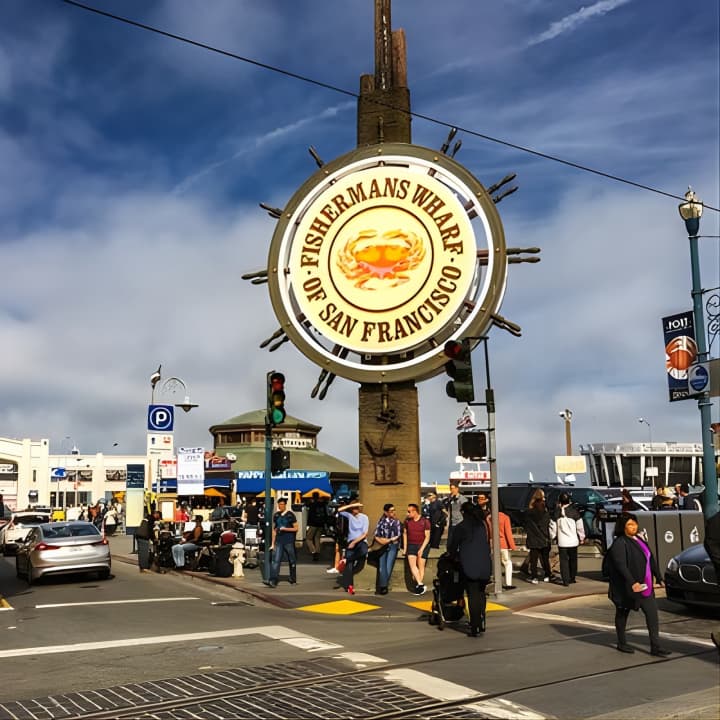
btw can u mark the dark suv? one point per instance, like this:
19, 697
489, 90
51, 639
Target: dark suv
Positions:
515, 499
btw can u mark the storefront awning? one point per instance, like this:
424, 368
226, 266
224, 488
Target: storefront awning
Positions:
253, 481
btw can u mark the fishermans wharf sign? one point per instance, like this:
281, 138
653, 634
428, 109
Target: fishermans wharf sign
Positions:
381, 257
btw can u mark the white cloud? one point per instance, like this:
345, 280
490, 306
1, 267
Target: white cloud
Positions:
572, 21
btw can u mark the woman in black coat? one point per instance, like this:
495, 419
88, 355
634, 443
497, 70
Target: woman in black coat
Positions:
632, 570
470, 542
537, 536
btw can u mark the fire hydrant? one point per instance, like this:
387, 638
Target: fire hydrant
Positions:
237, 558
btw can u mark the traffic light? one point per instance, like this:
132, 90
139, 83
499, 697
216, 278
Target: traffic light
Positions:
459, 368
472, 445
276, 398
279, 460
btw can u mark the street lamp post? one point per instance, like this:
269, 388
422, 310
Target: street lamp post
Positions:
691, 211
566, 415
644, 421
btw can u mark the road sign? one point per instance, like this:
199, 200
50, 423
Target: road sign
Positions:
698, 378
160, 418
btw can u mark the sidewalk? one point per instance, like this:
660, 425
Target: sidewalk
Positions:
315, 587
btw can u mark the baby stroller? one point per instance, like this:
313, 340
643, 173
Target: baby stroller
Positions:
448, 603
164, 558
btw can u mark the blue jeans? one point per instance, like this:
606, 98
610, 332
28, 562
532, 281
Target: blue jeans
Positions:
179, 552
354, 562
287, 550
386, 563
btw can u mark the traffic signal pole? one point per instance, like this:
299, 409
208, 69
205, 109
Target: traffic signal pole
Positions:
275, 415
492, 462
267, 535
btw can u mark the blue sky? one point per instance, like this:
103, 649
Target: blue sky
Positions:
132, 166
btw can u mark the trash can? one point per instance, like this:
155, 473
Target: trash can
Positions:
692, 528
668, 536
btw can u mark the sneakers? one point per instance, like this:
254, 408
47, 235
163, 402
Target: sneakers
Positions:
546, 578
532, 581
332, 571
625, 649
420, 590
351, 590
509, 587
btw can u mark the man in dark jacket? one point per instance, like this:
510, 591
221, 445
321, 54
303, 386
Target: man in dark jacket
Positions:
471, 543
144, 535
317, 518
438, 519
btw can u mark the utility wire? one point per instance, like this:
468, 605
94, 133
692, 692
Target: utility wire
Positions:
342, 91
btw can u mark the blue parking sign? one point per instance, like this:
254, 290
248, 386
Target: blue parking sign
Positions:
160, 418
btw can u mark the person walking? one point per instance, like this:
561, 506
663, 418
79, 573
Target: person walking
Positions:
632, 569
416, 545
567, 528
316, 522
452, 506
537, 531
284, 530
357, 547
388, 532
470, 542
507, 540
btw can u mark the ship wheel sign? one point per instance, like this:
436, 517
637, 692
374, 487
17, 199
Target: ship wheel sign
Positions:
381, 257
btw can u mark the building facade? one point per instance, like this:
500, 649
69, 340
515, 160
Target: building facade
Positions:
30, 475
644, 464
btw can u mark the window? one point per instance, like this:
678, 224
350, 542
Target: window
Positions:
680, 470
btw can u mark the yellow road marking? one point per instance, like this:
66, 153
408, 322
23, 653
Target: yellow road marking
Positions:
4, 604
426, 606
339, 607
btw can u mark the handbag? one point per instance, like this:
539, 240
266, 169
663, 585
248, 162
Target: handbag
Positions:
373, 556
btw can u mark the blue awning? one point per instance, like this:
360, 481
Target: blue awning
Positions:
253, 481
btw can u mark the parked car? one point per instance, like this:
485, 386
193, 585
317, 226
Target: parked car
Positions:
690, 579
61, 548
19, 526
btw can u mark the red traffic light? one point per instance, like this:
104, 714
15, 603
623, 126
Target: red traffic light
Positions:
453, 349
277, 382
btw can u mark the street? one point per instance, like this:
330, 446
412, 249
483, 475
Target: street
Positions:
226, 654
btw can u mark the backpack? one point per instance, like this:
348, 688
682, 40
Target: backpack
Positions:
342, 528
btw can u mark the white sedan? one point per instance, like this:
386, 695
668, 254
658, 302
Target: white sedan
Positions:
62, 548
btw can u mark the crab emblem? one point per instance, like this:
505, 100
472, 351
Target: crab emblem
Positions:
371, 260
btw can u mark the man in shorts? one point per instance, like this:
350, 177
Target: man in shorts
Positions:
416, 545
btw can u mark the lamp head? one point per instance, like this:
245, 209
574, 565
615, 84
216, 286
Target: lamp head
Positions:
566, 414
691, 211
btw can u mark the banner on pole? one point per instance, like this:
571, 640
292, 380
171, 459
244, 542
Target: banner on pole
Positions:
680, 353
